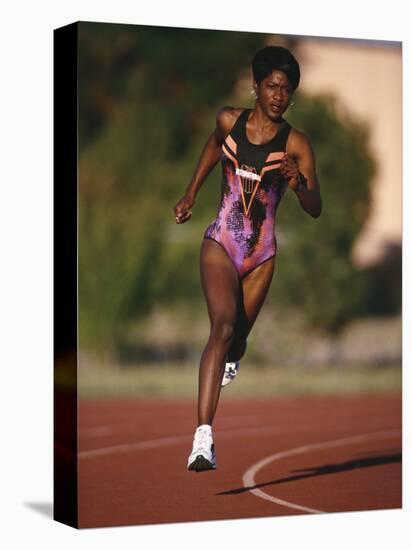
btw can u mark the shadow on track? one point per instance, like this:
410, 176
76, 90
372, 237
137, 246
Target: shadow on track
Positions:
323, 470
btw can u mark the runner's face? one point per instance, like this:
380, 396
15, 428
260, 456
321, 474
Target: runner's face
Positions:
274, 94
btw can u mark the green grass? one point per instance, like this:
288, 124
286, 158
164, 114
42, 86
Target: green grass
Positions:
181, 381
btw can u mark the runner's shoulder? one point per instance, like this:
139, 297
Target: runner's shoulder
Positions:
298, 141
226, 118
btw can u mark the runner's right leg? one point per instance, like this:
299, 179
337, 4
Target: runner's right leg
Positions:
220, 282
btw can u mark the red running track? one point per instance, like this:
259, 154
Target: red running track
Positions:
275, 457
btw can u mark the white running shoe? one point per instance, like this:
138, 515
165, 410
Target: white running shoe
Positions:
202, 457
231, 370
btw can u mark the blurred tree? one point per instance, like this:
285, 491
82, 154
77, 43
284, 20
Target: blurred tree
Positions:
315, 271
182, 71
144, 95
148, 98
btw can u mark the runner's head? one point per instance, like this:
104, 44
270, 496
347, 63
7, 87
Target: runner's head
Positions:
275, 58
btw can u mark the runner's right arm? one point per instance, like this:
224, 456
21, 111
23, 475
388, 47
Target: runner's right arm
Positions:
225, 119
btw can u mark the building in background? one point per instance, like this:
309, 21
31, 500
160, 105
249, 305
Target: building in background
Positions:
366, 77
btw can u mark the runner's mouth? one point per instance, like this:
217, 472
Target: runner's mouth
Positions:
276, 108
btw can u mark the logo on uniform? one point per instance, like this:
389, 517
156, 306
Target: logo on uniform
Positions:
249, 178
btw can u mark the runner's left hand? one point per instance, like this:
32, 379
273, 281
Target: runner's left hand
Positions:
290, 171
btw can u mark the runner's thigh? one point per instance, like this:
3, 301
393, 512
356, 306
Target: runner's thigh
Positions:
220, 282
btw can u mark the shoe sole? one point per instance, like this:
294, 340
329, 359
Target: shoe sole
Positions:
228, 382
201, 464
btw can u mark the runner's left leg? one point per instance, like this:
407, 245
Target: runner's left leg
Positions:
254, 289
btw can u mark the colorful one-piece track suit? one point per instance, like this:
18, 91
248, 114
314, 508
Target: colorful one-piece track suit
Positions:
252, 188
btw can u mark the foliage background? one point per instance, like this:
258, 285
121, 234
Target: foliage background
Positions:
148, 99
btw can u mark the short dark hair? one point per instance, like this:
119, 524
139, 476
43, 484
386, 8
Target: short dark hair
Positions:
275, 58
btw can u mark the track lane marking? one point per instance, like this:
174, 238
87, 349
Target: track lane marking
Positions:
173, 440
249, 476
114, 429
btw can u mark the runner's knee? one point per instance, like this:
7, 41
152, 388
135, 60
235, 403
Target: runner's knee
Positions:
222, 331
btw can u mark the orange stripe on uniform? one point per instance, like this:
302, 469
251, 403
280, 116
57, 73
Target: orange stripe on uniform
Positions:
251, 198
268, 168
275, 156
232, 143
229, 154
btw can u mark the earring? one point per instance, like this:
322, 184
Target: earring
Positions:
291, 104
254, 94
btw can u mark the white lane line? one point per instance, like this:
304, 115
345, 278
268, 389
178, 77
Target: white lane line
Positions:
173, 440
111, 429
97, 432
249, 475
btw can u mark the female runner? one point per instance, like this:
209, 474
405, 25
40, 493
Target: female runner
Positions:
261, 155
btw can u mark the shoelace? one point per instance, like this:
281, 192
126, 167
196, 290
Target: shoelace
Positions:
201, 441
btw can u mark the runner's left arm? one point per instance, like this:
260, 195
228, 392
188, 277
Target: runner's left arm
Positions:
299, 168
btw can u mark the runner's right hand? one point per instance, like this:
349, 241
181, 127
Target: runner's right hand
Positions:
182, 210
